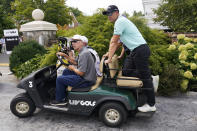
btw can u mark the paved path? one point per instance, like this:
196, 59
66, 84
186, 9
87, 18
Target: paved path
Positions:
4, 58
178, 113
173, 114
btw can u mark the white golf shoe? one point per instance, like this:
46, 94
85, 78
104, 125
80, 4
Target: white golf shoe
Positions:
147, 108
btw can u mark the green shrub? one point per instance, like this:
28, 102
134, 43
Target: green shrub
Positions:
50, 57
39, 61
23, 52
28, 67
161, 57
170, 80
164, 63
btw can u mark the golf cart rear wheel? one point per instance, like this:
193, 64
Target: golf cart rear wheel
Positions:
112, 114
22, 106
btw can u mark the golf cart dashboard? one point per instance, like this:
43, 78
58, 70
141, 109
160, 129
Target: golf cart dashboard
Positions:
46, 73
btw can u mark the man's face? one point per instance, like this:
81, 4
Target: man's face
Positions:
113, 16
77, 44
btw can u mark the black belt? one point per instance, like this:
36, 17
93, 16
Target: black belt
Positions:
138, 47
134, 50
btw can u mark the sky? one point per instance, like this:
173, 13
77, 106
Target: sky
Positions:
88, 7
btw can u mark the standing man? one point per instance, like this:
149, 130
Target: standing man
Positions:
128, 33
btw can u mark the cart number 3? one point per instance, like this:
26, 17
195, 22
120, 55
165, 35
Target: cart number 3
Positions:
30, 84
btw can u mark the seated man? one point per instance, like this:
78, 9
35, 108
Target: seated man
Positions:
73, 76
94, 54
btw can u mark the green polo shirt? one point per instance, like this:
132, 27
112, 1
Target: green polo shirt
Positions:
129, 34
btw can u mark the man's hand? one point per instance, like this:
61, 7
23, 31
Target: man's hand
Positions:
108, 61
120, 57
71, 67
62, 54
106, 55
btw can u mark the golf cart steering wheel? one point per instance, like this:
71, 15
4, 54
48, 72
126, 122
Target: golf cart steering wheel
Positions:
60, 58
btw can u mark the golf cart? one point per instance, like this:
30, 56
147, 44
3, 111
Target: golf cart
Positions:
113, 96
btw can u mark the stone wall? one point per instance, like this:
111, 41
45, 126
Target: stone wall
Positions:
173, 35
42, 37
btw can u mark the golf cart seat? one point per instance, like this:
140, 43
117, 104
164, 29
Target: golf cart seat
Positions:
123, 81
96, 85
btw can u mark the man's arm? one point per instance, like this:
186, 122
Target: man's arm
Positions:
122, 53
69, 58
72, 68
113, 47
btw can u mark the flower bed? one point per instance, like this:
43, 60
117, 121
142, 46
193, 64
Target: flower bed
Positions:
187, 58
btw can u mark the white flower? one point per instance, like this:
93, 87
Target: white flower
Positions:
180, 36
182, 47
187, 39
189, 46
188, 74
172, 47
182, 57
184, 84
193, 66
195, 56
175, 43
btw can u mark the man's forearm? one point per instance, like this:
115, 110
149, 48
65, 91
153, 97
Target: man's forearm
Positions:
72, 61
112, 49
113, 46
78, 72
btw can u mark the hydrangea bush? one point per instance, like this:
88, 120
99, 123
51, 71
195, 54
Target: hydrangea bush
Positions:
187, 58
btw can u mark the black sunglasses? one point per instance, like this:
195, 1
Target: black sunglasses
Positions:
74, 41
110, 14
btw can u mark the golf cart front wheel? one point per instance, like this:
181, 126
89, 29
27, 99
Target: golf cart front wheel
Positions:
113, 114
22, 106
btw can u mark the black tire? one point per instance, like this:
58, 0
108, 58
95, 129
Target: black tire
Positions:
118, 111
22, 106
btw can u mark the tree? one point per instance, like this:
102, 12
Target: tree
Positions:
57, 12
178, 15
6, 4
23, 9
78, 14
75, 11
6, 21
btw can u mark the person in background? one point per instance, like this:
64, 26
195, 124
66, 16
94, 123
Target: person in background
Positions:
3, 49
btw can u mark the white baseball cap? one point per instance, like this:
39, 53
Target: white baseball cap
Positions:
80, 37
85, 39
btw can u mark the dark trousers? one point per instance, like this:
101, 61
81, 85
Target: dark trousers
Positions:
68, 78
136, 64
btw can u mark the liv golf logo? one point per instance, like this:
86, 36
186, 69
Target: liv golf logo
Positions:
82, 102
